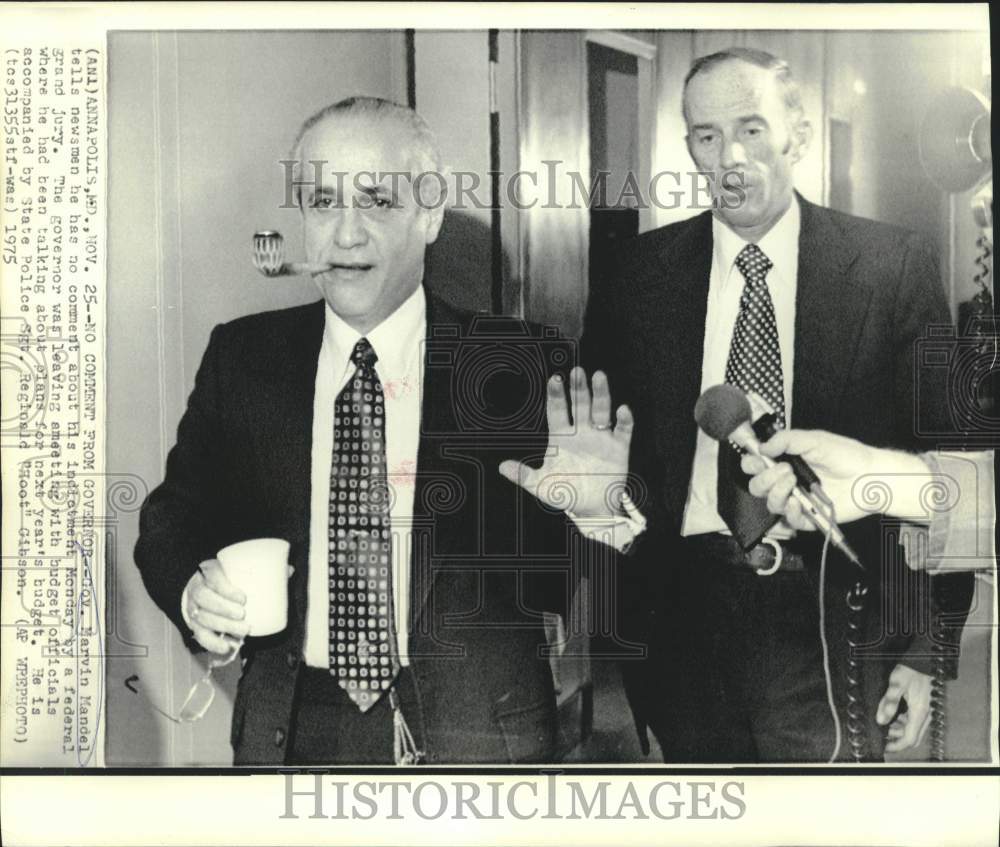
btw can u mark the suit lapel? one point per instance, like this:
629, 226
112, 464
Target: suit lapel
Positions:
830, 312
437, 419
676, 351
830, 308
295, 385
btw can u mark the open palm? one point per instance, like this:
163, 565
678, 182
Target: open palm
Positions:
586, 462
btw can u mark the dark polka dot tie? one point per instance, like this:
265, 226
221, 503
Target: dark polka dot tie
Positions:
363, 653
754, 356
754, 364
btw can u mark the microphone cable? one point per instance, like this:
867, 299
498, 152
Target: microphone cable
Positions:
828, 676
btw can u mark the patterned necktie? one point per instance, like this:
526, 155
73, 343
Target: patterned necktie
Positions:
363, 653
754, 365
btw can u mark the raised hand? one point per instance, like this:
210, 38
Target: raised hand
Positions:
586, 462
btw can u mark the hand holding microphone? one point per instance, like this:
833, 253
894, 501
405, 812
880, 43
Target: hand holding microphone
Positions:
724, 413
841, 463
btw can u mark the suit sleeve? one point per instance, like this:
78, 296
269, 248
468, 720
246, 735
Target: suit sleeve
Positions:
180, 519
922, 398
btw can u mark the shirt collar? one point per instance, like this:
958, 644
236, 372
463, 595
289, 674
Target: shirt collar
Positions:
394, 340
780, 244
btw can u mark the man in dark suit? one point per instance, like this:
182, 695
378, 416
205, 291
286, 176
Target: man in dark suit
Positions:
366, 429
819, 313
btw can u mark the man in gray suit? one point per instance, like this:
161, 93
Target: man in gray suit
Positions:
819, 313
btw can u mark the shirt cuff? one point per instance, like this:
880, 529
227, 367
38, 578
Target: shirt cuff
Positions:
961, 531
618, 531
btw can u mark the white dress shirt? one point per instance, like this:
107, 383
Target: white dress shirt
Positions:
399, 343
725, 286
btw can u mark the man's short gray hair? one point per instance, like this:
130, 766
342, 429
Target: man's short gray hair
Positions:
424, 149
791, 94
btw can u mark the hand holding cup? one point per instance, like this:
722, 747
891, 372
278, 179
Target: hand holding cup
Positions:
243, 592
215, 608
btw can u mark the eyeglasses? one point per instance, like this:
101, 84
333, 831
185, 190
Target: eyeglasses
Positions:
201, 695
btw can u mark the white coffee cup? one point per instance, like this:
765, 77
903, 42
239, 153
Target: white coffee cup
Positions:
259, 567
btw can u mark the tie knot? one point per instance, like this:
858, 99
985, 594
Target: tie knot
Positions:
753, 263
363, 355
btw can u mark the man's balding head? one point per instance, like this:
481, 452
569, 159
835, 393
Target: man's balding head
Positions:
745, 128
791, 94
366, 211
413, 129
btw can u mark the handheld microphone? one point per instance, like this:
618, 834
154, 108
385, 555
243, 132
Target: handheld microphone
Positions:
765, 425
724, 413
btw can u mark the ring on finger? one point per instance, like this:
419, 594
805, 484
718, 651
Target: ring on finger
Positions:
601, 427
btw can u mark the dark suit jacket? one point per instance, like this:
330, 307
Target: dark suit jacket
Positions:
487, 558
867, 293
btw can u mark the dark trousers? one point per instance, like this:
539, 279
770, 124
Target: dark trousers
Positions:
329, 729
737, 665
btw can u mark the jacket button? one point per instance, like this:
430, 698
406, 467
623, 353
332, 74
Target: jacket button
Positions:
279, 737
291, 660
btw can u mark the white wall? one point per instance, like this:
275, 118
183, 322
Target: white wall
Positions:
453, 96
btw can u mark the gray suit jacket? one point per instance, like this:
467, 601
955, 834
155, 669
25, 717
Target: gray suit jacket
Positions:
868, 295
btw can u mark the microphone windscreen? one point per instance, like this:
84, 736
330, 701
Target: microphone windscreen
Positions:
720, 410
